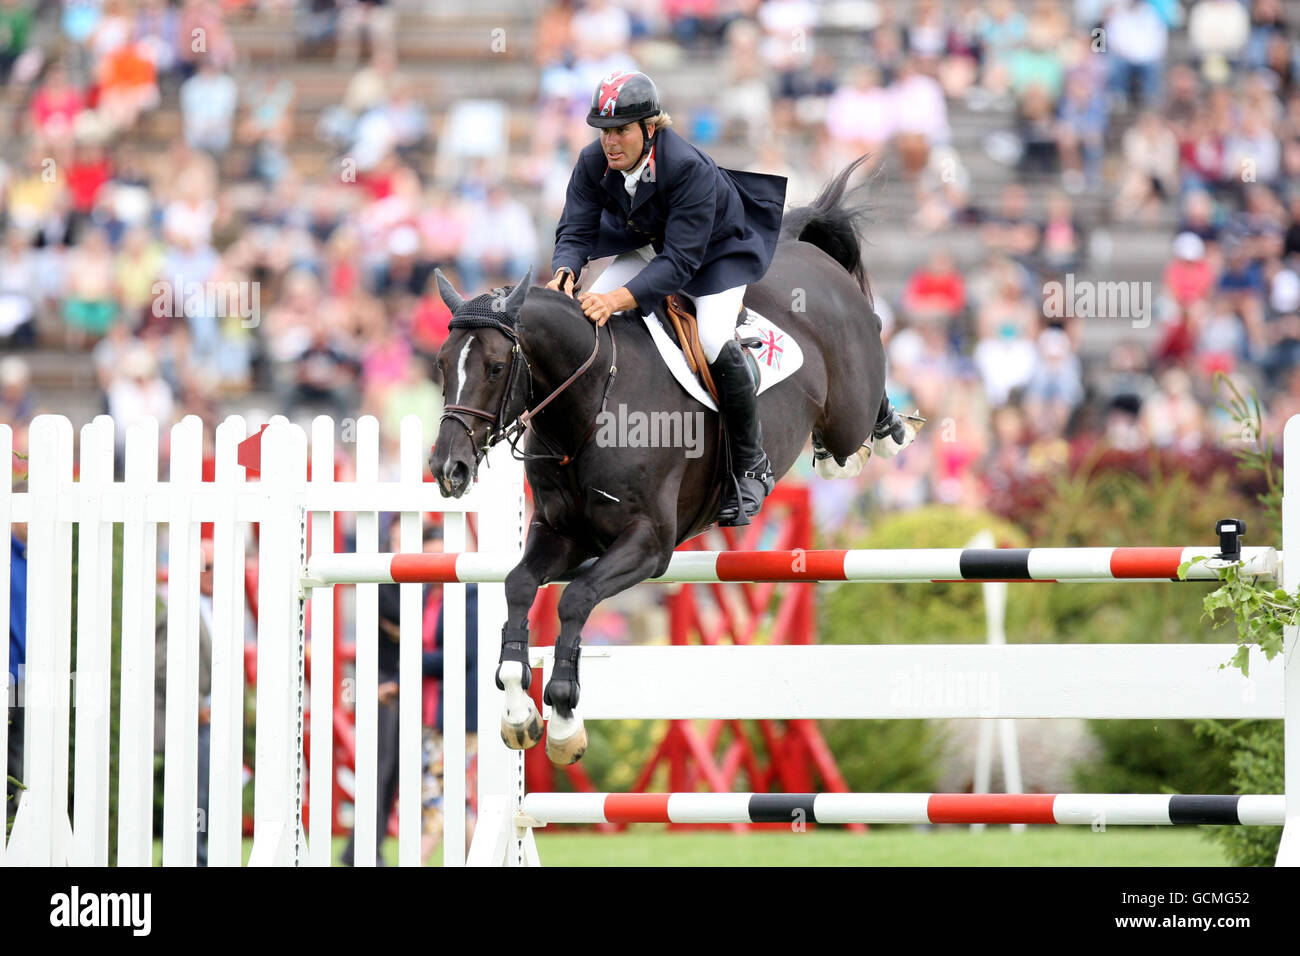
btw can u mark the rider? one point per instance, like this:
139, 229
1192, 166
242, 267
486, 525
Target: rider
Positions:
674, 221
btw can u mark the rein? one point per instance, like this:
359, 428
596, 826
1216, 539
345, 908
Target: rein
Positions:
527, 419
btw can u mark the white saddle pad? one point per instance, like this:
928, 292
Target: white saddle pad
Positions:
778, 355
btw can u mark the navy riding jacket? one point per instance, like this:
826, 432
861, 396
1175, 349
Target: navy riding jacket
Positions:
711, 229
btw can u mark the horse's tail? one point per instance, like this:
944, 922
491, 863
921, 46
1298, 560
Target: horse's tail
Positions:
831, 222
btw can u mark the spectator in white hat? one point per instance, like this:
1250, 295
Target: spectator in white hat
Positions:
16, 403
139, 393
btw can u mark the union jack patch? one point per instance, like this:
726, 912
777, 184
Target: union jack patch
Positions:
610, 87
772, 348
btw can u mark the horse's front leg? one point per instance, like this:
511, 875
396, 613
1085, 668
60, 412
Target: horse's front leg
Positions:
638, 553
547, 555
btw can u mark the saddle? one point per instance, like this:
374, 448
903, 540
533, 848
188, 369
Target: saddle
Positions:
677, 315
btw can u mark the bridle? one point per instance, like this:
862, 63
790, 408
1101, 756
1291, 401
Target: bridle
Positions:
497, 426
511, 431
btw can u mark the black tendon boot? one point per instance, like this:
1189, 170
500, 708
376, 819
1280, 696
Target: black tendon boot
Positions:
889, 423
750, 467
514, 647
562, 689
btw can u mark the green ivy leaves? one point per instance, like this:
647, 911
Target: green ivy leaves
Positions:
1261, 611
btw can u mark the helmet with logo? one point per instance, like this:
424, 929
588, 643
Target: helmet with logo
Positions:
623, 97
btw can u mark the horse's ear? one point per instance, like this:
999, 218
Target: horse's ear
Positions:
516, 298
449, 294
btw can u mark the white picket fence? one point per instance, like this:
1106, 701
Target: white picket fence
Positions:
145, 502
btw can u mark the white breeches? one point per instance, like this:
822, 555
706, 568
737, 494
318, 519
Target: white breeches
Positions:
716, 313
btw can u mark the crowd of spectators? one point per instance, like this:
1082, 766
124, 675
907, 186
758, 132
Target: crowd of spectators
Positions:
1209, 157
278, 250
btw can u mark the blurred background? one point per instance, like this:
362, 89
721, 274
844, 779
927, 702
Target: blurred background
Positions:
326, 155
1084, 228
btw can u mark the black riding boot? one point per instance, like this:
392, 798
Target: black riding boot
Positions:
752, 470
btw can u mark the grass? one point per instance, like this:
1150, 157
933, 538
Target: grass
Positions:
894, 846
885, 846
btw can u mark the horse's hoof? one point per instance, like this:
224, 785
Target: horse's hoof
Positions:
888, 447
566, 740
568, 751
828, 467
525, 733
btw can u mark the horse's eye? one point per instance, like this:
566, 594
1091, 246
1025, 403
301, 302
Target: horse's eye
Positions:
495, 369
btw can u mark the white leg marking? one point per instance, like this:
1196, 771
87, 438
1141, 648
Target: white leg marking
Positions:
518, 703
562, 728
521, 724
853, 465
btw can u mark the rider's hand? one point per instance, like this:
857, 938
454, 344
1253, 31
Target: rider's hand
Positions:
598, 306
563, 282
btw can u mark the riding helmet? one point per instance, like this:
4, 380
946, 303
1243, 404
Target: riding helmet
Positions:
623, 97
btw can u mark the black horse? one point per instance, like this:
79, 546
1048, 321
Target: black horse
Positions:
629, 507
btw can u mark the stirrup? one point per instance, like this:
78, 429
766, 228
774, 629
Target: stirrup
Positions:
514, 647
766, 478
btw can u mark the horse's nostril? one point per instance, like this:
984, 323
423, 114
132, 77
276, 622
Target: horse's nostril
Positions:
453, 477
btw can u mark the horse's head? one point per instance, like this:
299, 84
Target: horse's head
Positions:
484, 380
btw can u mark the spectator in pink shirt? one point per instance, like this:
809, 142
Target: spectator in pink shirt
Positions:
860, 116
203, 35
442, 225
384, 363
920, 116
1189, 277
55, 106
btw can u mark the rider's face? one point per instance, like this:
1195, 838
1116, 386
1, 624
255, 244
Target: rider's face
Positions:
622, 145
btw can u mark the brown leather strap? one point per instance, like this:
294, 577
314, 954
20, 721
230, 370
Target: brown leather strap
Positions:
527, 416
688, 336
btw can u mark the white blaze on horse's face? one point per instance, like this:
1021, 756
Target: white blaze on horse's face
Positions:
460, 368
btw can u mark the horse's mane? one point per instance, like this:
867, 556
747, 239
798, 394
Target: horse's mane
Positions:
832, 223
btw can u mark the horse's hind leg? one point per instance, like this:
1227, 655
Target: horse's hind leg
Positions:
638, 553
546, 556
858, 419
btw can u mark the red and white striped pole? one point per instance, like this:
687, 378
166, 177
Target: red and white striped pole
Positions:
883, 566
1089, 809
